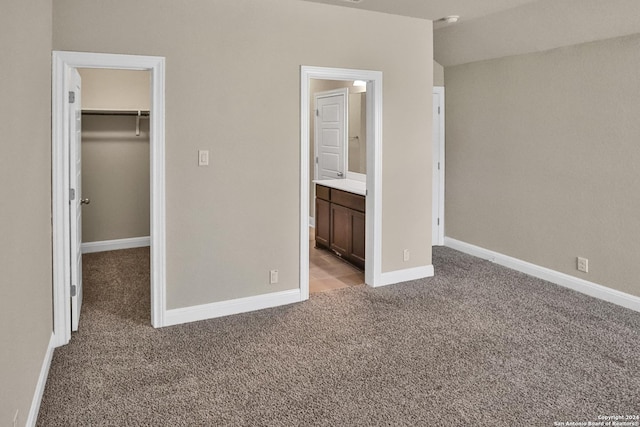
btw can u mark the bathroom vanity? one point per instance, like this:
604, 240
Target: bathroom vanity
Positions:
340, 218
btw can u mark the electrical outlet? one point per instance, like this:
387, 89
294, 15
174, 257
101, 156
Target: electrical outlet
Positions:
273, 276
583, 264
405, 255
15, 418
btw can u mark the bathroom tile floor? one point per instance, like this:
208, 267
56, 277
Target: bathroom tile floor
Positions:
327, 271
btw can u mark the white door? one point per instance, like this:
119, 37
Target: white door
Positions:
75, 196
437, 231
331, 134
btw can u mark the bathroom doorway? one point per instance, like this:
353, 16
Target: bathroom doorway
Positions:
371, 187
338, 151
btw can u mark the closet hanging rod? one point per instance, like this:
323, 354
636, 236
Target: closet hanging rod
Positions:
139, 113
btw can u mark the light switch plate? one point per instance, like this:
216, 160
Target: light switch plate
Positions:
203, 157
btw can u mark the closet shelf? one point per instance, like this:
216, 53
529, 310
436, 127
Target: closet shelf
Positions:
138, 114
98, 112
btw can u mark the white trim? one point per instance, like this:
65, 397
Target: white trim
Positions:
399, 276
583, 286
60, 209
40, 385
439, 239
312, 222
195, 313
373, 250
117, 244
63, 63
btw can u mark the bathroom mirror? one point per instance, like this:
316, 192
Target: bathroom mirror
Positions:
357, 151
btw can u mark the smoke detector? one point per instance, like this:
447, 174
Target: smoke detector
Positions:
451, 19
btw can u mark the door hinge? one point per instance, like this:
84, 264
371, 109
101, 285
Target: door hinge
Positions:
316, 159
74, 289
72, 97
438, 221
438, 165
317, 113
72, 194
438, 110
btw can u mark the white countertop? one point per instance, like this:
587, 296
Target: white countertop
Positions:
350, 185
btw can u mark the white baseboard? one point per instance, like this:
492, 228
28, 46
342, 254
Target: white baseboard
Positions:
42, 381
177, 316
398, 276
583, 286
113, 245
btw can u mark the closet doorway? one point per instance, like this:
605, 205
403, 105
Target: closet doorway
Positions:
111, 119
115, 187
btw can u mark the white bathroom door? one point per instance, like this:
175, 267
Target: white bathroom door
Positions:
331, 134
75, 196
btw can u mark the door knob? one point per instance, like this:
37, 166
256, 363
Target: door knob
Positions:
85, 201
339, 173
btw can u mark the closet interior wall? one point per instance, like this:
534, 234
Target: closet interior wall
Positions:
115, 159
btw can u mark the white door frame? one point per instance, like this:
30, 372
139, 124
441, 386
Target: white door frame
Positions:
75, 206
373, 233
438, 185
63, 62
345, 143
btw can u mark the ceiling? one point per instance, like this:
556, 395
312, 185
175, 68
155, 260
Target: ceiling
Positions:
432, 9
496, 28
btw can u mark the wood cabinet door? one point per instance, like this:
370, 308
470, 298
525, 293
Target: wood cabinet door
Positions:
340, 229
323, 222
357, 236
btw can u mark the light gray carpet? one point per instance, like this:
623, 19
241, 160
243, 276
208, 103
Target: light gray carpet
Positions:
477, 345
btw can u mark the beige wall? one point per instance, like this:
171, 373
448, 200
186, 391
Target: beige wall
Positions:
542, 158
25, 201
219, 55
438, 74
115, 177
104, 89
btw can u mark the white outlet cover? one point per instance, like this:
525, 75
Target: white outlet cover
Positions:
583, 264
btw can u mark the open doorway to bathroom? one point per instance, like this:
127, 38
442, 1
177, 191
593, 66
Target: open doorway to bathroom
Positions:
370, 189
337, 162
